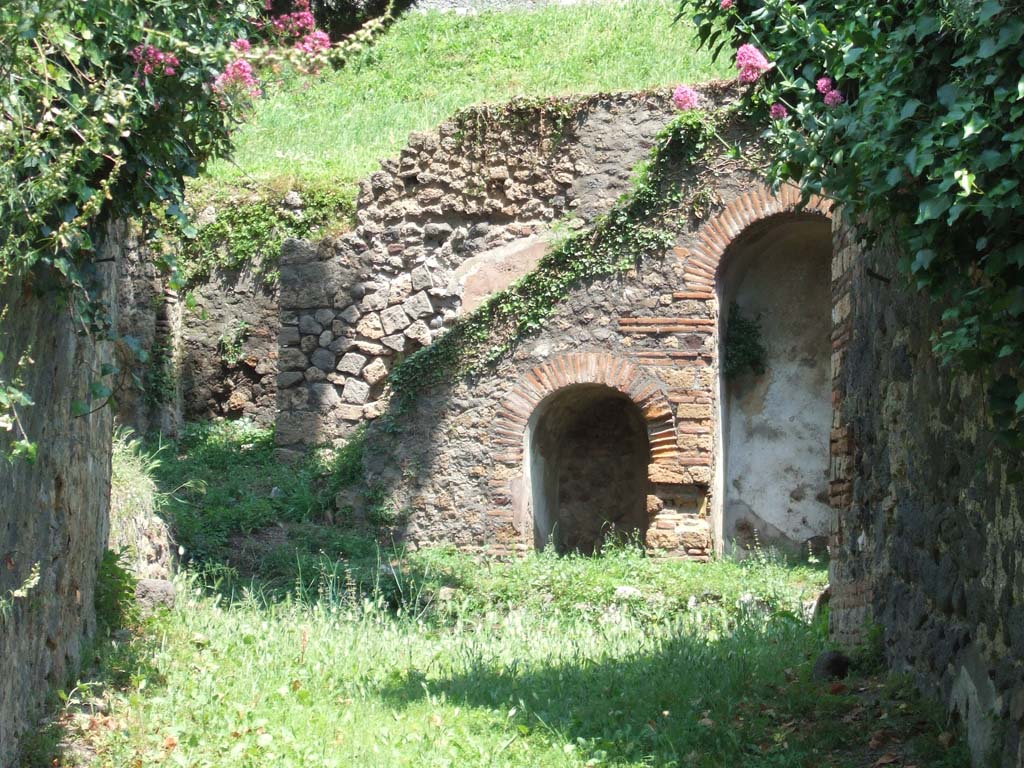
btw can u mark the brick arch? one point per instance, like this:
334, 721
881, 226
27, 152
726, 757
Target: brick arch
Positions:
563, 371
537, 384
701, 262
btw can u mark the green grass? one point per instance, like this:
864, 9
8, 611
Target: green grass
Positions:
334, 131
380, 657
224, 491
326, 678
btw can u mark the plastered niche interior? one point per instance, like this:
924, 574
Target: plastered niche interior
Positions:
588, 453
775, 424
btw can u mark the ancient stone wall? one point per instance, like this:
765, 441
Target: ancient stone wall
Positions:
928, 536
462, 462
53, 529
212, 349
461, 213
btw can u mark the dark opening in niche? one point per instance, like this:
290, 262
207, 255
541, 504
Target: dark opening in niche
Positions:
588, 453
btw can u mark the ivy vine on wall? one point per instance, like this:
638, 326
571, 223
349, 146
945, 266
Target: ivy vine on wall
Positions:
637, 227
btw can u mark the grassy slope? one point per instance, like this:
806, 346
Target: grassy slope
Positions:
333, 132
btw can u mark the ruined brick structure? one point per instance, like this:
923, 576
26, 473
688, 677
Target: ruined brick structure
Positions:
615, 416
490, 472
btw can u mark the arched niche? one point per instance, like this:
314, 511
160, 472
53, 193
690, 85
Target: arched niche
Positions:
775, 424
586, 457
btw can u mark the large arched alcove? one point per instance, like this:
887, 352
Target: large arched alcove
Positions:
775, 424
587, 452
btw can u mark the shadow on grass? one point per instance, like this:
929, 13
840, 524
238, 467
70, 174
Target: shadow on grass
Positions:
745, 699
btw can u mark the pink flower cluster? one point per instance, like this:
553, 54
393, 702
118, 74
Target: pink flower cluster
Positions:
827, 87
297, 24
725, 5
242, 45
314, 43
684, 97
150, 60
238, 76
778, 112
751, 63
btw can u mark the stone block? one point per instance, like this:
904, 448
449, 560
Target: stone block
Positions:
288, 336
400, 290
374, 409
323, 396
394, 320
292, 359
356, 391
323, 359
153, 594
297, 252
314, 374
308, 325
349, 412
308, 343
309, 286
342, 344
350, 314
396, 342
288, 379
669, 474
421, 279
419, 333
324, 316
418, 305
375, 372
370, 327
374, 302
352, 363
325, 339
654, 505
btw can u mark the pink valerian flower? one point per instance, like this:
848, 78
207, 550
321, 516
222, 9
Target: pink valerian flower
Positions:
297, 24
751, 63
824, 85
241, 45
238, 76
725, 5
150, 60
778, 111
685, 98
314, 43
834, 98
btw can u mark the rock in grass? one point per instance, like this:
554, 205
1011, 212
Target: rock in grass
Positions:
831, 665
152, 594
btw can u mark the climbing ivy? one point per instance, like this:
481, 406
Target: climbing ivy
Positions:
909, 114
743, 348
636, 228
105, 107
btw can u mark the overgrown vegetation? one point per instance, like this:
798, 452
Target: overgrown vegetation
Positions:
248, 231
910, 115
743, 348
542, 662
235, 510
105, 108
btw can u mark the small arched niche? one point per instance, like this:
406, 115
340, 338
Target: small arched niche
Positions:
586, 456
775, 423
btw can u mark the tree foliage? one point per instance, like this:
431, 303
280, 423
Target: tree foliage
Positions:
105, 108
909, 114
